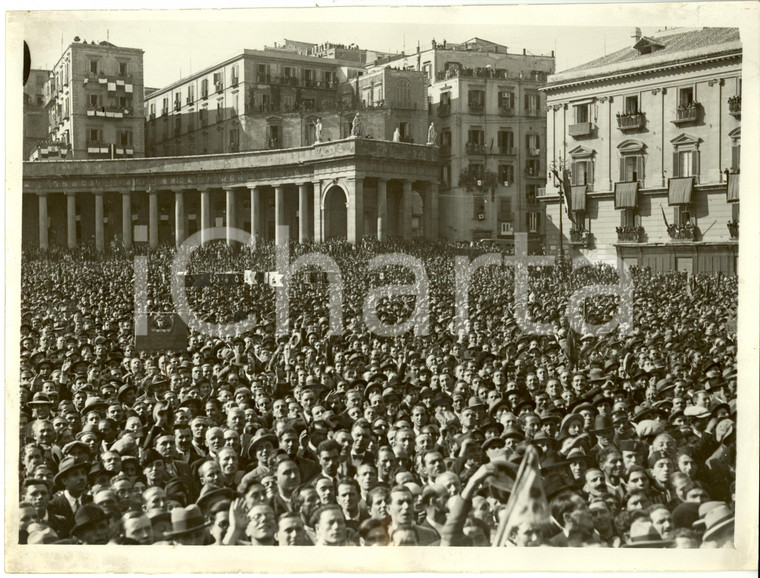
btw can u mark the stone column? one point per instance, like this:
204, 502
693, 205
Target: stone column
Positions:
179, 218
205, 214
433, 194
99, 238
382, 208
279, 213
230, 221
303, 210
43, 218
126, 219
406, 211
71, 220
255, 213
355, 210
317, 192
153, 219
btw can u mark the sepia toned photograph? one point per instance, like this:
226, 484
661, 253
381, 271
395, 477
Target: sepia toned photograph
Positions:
454, 277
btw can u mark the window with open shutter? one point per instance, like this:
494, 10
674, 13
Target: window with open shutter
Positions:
478, 208
505, 209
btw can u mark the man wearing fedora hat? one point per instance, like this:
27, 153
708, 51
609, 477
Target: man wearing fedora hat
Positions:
91, 525
72, 476
189, 527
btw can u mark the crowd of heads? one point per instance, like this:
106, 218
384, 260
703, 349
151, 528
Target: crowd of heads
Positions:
350, 438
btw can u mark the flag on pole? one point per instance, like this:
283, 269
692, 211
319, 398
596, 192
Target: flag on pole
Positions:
565, 192
527, 502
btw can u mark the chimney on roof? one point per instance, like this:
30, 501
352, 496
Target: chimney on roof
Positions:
636, 34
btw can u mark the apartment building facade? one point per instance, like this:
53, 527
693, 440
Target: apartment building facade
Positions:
489, 116
650, 137
94, 103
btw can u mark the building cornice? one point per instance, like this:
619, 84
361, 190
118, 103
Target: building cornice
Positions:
609, 74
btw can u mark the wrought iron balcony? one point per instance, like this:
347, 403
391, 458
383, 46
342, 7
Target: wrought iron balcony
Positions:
507, 151
630, 234
686, 113
506, 111
687, 232
477, 108
631, 121
580, 238
581, 129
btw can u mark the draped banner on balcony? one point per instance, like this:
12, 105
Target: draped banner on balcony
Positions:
679, 190
732, 191
626, 195
579, 198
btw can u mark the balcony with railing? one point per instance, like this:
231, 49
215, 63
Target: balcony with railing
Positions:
686, 113
534, 152
735, 105
733, 230
580, 238
477, 108
444, 109
685, 232
506, 111
475, 148
219, 87
631, 120
508, 151
630, 234
533, 112
580, 129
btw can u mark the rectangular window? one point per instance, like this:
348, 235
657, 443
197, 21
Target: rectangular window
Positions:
404, 130
476, 98
582, 113
531, 191
204, 88
583, 173
506, 140
191, 94
476, 136
446, 138
152, 110
686, 163
93, 66
262, 73
177, 125
165, 105
506, 174
479, 208
533, 222
177, 101
533, 168
445, 98
505, 209
203, 115
426, 69
686, 96
219, 111
531, 104
234, 76
736, 154
125, 138
632, 168
93, 135
506, 100
632, 104
123, 68
532, 143
627, 218
94, 100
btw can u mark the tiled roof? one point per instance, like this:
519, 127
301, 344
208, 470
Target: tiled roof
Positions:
673, 44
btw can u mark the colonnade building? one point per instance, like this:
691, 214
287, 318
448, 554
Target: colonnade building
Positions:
348, 188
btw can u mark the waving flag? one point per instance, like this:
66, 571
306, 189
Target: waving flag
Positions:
527, 500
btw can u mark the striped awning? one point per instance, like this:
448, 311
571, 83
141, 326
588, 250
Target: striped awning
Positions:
626, 195
679, 190
732, 190
579, 198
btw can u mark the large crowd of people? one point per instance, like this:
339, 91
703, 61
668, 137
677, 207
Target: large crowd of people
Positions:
350, 438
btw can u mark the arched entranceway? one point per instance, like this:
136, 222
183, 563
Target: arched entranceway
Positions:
335, 213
